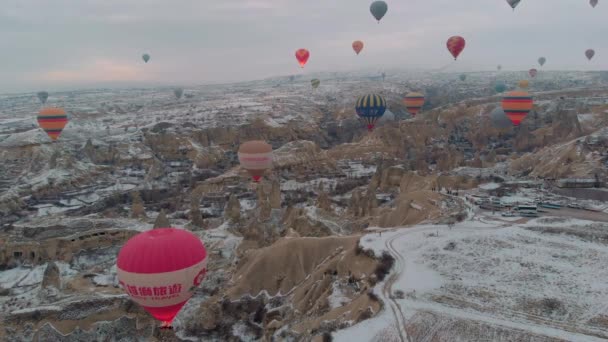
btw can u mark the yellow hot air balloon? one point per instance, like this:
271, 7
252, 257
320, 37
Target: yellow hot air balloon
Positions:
52, 120
523, 84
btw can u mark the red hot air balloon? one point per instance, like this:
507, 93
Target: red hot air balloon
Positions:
590, 53
357, 46
455, 45
302, 56
533, 72
414, 102
160, 268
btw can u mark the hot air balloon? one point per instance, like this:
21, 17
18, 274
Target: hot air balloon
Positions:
357, 46
315, 83
463, 77
542, 61
52, 120
43, 96
533, 72
178, 93
500, 87
255, 157
370, 108
513, 3
413, 102
145, 57
378, 9
455, 45
517, 104
499, 119
302, 56
593, 3
499, 67
590, 53
160, 269
523, 84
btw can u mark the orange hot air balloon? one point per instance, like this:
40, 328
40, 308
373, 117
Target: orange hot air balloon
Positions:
52, 120
255, 157
160, 269
357, 46
413, 102
517, 104
302, 56
523, 84
455, 45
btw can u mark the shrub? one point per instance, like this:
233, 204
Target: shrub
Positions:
327, 337
385, 265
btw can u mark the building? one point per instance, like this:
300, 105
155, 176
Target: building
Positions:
579, 183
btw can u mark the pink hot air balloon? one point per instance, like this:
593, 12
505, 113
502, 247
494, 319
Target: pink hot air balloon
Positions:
160, 268
590, 53
533, 72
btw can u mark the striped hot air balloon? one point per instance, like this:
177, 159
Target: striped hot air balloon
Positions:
52, 120
370, 108
255, 157
517, 104
413, 102
160, 269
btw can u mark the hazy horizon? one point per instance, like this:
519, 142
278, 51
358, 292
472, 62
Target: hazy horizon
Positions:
98, 44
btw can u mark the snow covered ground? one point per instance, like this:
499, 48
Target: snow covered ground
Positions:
497, 274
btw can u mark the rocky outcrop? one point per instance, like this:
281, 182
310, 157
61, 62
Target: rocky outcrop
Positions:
51, 277
137, 206
275, 195
232, 211
161, 220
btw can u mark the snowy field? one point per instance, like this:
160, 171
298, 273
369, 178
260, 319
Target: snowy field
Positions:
516, 277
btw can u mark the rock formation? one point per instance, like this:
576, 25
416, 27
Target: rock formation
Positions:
137, 206
232, 211
161, 220
51, 276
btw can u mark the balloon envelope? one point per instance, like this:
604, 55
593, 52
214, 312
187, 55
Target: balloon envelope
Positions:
524, 84
52, 120
593, 3
357, 46
499, 67
455, 45
378, 9
315, 83
463, 77
145, 57
160, 268
533, 72
513, 3
302, 56
370, 108
500, 87
43, 96
255, 157
517, 104
413, 102
542, 61
590, 53
499, 119
178, 93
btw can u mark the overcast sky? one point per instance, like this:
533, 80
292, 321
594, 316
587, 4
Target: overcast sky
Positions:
67, 44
